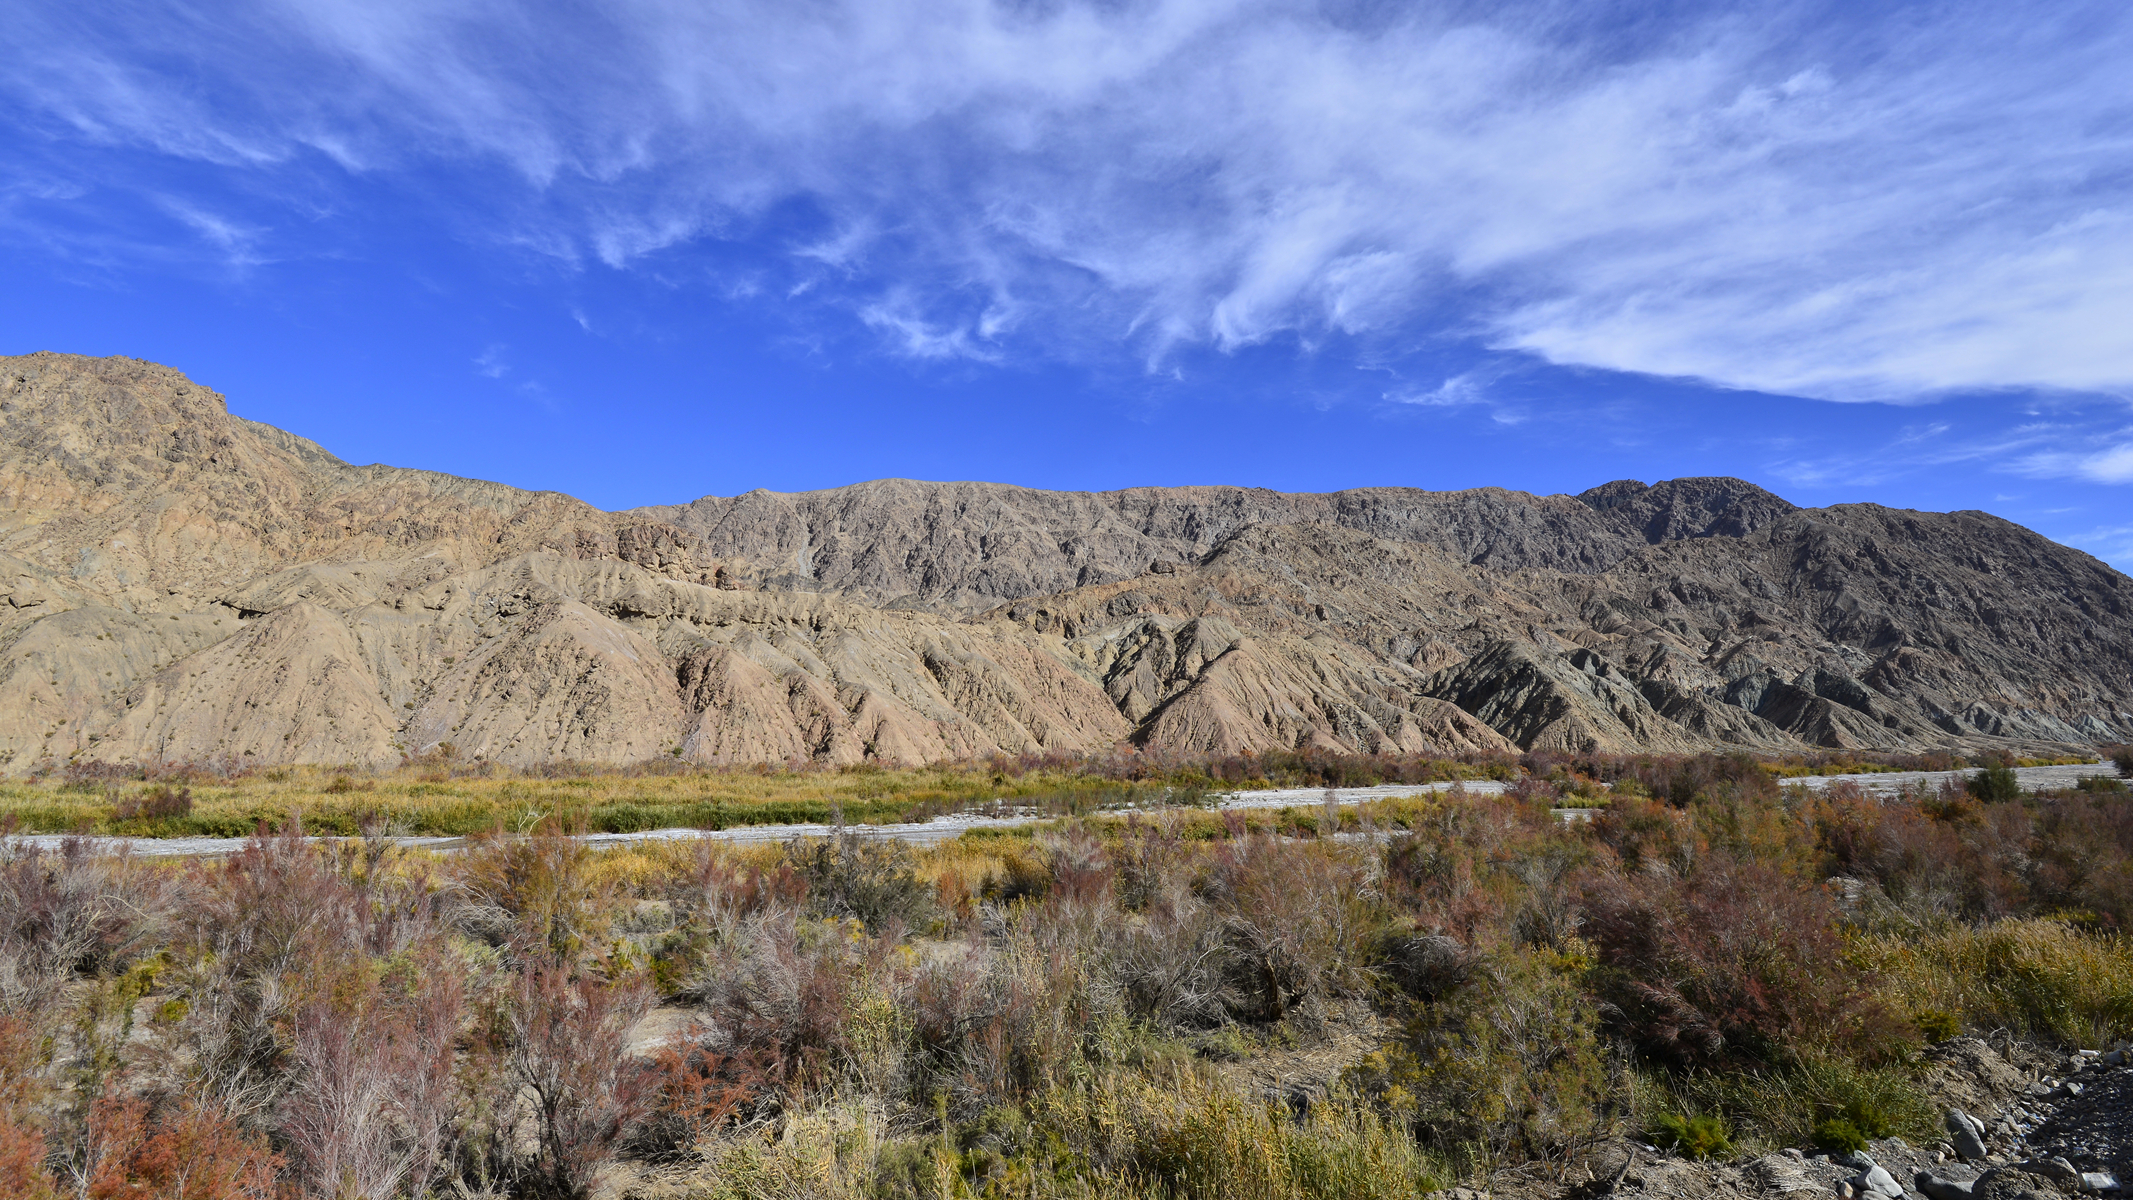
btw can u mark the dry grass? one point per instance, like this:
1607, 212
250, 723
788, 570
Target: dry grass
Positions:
433, 800
2041, 978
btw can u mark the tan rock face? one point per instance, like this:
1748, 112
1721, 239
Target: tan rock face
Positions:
290, 686
177, 583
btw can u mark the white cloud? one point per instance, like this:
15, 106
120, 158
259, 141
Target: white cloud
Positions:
1455, 392
235, 242
1849, 203
2111, 464
2111, 543
1929, 447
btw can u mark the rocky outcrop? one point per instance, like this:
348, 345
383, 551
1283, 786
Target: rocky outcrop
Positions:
179, 583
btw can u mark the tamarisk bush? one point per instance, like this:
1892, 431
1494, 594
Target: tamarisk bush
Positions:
372, 1108
563, 1037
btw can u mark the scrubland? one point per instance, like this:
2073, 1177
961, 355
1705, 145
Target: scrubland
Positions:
440, 794
1367, 1001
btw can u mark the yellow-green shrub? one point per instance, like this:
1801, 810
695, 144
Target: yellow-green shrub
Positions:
2043, 977
1506, 1066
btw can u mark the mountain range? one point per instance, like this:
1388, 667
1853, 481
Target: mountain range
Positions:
178, 584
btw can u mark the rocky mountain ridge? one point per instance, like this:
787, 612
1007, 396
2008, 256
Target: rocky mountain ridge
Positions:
183, 584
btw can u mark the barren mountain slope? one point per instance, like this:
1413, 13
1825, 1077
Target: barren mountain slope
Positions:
969, 545
1843, 627
180, 583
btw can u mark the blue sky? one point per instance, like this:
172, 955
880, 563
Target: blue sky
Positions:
646, 250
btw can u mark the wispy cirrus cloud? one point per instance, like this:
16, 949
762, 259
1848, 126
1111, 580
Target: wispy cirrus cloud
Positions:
1932, 445
2111, 463
1829, 201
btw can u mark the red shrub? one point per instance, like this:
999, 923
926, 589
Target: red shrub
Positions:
1735, 963
2082, 858
274, 905
1445, 870
565, 1043
190, 1153
1079, 868
1645, 834
724, 893
157, 802
22, 1153
371, 1108
699, 1090
1937, 854
22, 1144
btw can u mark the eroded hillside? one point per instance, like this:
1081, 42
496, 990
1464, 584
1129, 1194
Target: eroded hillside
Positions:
183, 584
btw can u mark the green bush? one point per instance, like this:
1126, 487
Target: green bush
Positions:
1699, 1137
1996, 785
1782, 1107
1509, 1061
1938, 1025
1839, 1136
1849, 1129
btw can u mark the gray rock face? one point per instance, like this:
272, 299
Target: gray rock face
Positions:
1966, 1133
179, 583
1876, 1181
1933, 1187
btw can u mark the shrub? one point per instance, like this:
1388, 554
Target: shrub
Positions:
1996, 785
1937, 1025
2122, 758
1699, 1137
371, 1110
72, 912
1018, 877
1510, 1063
155, 804
1869, 1116
564, 1043
699, 1090
870, 879
1733, 965
1297, 919
787, 987
725, 893
1838, 1135
544, 881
